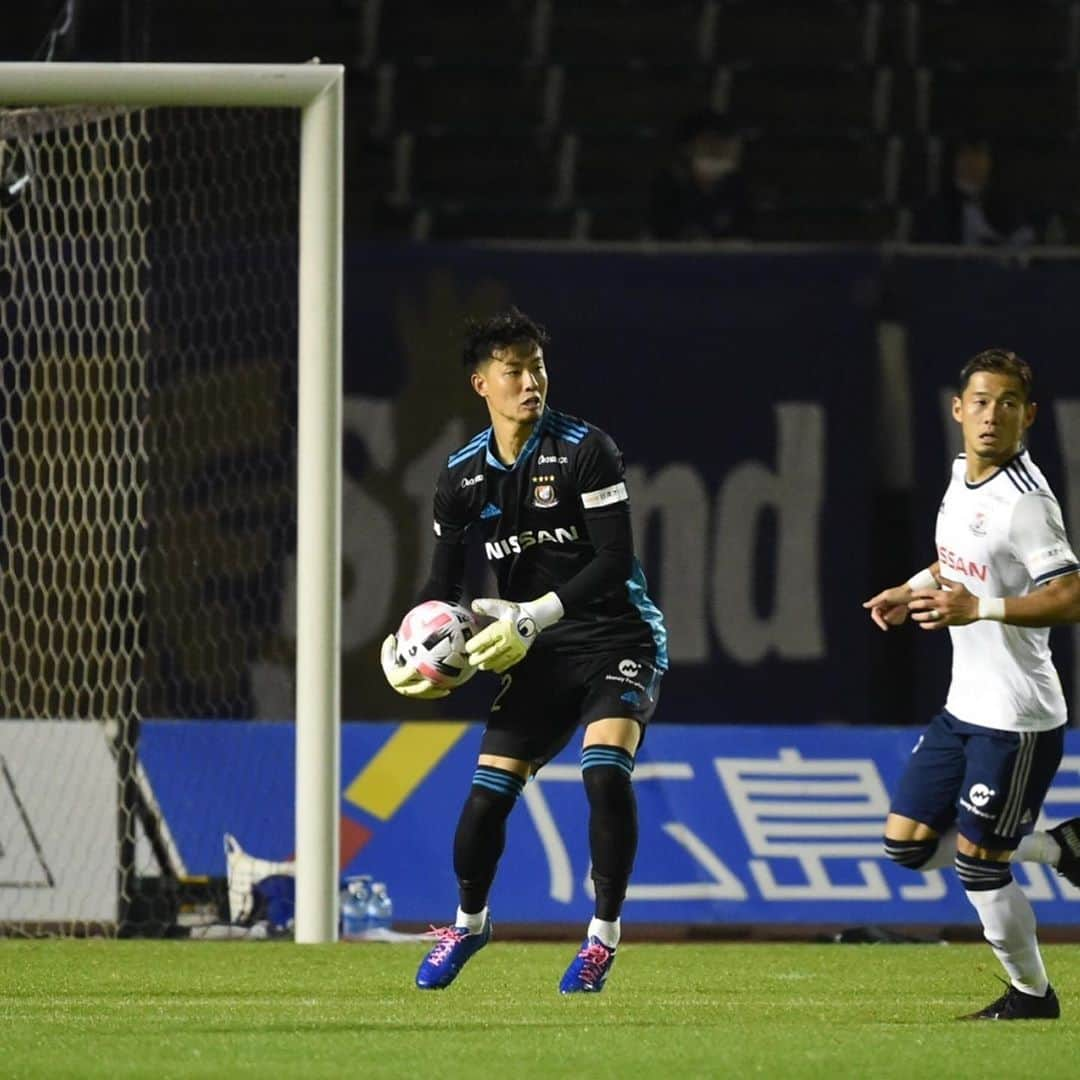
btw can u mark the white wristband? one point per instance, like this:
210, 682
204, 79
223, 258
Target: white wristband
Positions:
546, 611
992, 607
924, 579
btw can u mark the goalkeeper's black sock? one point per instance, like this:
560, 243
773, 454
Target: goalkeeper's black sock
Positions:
481, 833
613, 827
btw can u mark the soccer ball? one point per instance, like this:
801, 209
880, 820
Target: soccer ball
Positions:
432, 638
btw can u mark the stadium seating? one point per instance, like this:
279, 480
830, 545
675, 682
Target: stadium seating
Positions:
612, 177
991, 33
815, 31
249, 31
1006, 101
477, 32
623, 163
804, 172
920, 169
633, 97
464, 166
908, 99
550, 118
677, 31
470, 98
827, 100
1041, 174
620, 103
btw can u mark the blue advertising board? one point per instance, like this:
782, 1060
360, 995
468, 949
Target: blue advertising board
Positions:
739, 824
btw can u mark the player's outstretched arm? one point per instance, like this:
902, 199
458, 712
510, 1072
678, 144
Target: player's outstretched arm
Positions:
1057, 603
890, 606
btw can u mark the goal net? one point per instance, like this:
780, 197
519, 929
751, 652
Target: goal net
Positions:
148, 421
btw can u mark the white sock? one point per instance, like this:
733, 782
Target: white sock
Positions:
607, 932
473, 923
944, 853
1009, 926
1037, 847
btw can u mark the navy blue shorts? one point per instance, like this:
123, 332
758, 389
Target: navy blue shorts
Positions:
991, 783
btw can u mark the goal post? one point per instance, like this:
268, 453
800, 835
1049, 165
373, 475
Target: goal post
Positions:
317, 92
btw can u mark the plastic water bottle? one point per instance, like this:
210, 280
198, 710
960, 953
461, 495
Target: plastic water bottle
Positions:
354, 904
380, 908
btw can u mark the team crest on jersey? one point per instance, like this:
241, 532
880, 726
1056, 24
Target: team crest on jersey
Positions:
544, 495
978, 523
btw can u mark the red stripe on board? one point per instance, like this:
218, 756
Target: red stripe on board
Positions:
352, 839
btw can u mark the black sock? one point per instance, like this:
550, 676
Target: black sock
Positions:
481, 833
613, 828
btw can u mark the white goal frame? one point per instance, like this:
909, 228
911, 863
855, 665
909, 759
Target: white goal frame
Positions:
317, 90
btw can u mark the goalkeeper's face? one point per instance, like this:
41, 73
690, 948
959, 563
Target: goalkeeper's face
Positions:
514, 383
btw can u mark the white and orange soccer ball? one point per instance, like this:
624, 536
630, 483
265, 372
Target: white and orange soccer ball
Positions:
432, 639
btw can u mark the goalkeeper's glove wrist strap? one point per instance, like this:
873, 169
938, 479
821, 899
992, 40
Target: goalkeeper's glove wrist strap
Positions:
545, 611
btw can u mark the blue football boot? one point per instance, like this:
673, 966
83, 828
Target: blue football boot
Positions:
589, 969
455, 946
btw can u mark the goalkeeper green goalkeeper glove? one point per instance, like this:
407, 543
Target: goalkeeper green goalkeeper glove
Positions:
506, 641
404, 678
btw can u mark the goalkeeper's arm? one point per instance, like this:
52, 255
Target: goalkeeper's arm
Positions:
506, 641
612, 564
447, 573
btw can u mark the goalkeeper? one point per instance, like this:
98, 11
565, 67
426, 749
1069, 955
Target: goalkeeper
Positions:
573, 635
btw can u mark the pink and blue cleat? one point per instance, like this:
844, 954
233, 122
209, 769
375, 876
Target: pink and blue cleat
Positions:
589, 969
454, 948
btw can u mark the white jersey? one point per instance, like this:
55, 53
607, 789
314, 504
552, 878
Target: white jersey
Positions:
1003, 537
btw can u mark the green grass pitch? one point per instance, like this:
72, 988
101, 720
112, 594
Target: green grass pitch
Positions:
172, 1009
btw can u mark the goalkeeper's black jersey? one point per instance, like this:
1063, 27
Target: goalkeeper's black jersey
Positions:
558, 519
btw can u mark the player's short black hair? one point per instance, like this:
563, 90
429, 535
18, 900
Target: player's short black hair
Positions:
500, 331
1001, 362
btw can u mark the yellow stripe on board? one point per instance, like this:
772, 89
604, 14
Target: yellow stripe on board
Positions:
399, 768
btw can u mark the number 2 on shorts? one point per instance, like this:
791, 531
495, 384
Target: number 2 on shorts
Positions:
506, 681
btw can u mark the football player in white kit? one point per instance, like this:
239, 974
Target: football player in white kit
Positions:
976, 780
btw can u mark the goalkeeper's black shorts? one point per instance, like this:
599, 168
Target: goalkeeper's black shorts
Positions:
543, 700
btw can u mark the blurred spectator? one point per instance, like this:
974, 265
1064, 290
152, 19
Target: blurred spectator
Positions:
702, 195
968, 211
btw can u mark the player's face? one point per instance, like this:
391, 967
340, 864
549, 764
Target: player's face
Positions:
514, 383
993, 413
